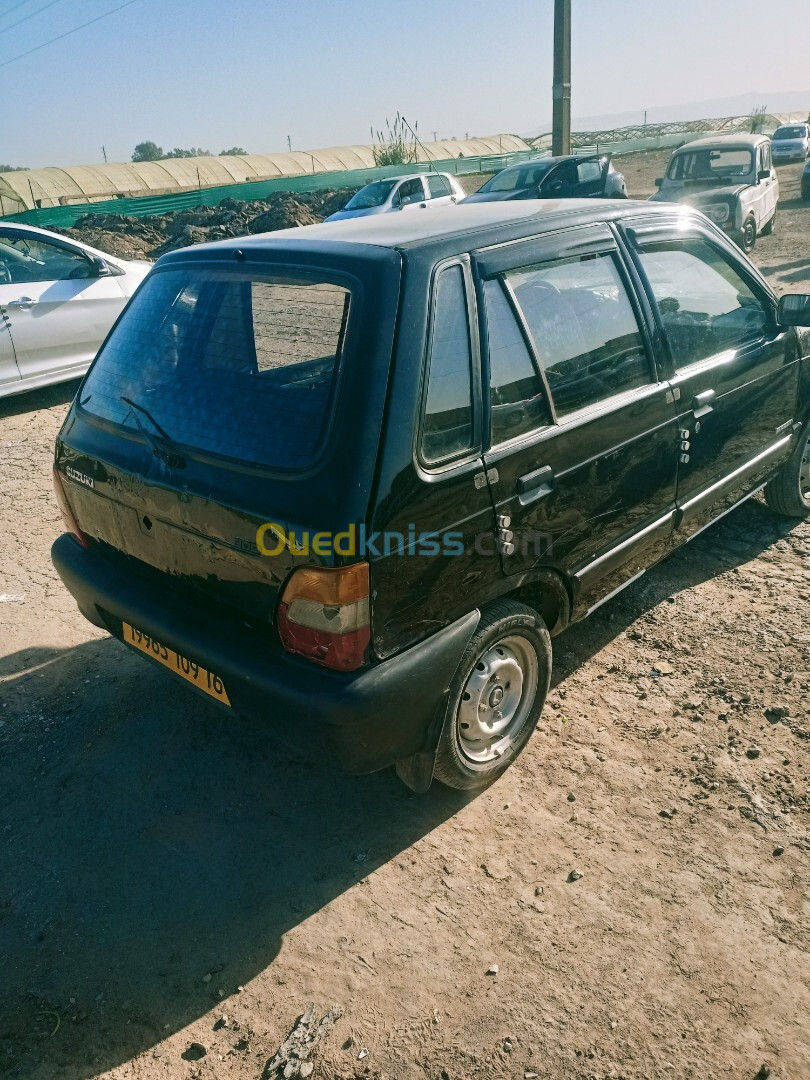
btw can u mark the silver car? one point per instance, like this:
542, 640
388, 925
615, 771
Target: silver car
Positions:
791, 142
400, 192
58, 300
730, 178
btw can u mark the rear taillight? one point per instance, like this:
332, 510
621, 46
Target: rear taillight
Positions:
324, 615
71, 524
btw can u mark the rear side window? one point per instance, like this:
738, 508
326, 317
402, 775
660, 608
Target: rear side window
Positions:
230, 364
517, 398
585, 331
447, 430
706, 306
439, 187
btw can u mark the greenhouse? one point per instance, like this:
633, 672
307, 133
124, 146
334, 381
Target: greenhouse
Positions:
31, 189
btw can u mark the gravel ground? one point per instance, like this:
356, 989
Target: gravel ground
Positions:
176, 887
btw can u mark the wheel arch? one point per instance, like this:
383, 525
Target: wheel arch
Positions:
549, 594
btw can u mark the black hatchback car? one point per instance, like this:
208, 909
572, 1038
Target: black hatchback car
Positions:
352, 478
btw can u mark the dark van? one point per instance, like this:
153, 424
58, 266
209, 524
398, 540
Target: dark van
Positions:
353, 478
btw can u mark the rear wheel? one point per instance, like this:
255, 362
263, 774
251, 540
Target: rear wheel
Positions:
788, 493
770, 228
749, 235
496, 697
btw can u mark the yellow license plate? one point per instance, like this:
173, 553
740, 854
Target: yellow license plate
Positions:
197, 675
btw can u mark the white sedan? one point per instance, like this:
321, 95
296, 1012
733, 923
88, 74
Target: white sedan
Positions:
58, 300
400, 192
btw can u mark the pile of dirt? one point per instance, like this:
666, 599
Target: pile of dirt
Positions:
150, 237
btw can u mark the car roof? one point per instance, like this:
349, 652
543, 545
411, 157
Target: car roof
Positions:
484, 224
549, 161
741, 139
408, 176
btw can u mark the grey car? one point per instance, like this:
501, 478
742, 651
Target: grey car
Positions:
731, 179
791, 142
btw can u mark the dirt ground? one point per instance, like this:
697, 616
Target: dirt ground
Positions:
176, 886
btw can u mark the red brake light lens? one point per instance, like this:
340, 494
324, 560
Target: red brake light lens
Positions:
324, 615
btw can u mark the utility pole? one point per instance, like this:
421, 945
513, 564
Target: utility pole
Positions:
435, 136
104, 152
561, 134
289, 144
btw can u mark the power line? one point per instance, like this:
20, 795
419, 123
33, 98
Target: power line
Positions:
25, 18
14, 7
67, 33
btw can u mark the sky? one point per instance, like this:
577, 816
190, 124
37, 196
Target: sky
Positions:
219, 73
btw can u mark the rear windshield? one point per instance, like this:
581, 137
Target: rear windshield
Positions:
238, 365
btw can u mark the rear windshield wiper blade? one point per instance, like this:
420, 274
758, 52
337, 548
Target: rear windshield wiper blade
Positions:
169, 457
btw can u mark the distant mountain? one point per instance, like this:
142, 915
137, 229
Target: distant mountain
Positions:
782, 102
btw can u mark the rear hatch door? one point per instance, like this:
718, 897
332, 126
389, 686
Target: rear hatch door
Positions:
236, 391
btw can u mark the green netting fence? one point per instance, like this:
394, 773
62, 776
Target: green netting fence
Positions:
66, 216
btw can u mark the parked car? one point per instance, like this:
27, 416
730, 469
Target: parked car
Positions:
58, 300
730, 178
806, 182
423, 190
791, 142
351, 478
571, 177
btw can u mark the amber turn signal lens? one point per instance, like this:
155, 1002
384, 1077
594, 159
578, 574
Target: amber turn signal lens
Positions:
329, 586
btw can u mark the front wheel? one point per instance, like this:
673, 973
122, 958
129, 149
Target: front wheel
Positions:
788, 494
496, 697
749, 236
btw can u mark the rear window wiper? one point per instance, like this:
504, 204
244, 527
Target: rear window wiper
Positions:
169, 457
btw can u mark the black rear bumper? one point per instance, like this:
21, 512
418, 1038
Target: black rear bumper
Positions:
367, 719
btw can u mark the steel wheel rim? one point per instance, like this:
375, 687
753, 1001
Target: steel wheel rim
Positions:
497, 697
748, 234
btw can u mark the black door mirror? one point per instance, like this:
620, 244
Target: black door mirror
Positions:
794, 310
764, 174
659, 182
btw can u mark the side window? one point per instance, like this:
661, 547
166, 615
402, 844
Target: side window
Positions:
588, 172
766, 156
517, 398
411, 189
585, 331
706, 306
31, 259
439, 187
448, 425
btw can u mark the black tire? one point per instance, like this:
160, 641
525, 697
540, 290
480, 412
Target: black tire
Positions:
770, 228
510, 644
748, 240
788, 494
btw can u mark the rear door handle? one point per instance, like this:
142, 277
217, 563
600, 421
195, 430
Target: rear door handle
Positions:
22, 302
702, 403
535, 485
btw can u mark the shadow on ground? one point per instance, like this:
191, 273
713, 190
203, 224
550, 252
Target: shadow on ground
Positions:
149, 838
34, 400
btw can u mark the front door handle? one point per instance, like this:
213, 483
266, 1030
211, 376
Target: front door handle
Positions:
702, 403
22, 302
535, 485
